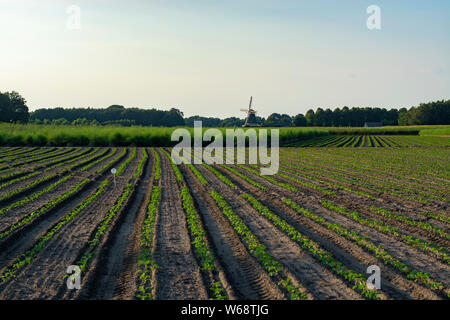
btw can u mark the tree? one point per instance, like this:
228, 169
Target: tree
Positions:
310, 118
80, 122
337, 118
232, 122
299, 120
5, 108
113, 115
13, 108
431, 113
328, 118
278, 120
173, 118
206, 121
116, 107
345, 119
60, 121
319, 118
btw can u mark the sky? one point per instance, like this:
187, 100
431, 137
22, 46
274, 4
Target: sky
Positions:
207, 57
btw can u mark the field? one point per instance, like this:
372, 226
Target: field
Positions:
162, 231
371, 141
104, 136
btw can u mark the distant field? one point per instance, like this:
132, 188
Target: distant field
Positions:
436, 131
52, 135
371, 141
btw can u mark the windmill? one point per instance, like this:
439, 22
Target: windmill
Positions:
250, 121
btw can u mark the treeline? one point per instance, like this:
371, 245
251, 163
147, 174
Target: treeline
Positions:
432, 113
348, 117
13, 108
113, 115
345, 117
217, 122
427, 113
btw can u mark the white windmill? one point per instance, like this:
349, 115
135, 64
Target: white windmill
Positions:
250, 121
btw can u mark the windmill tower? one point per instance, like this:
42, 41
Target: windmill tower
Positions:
250, 121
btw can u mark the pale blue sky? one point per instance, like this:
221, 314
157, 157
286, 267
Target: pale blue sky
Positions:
207, 57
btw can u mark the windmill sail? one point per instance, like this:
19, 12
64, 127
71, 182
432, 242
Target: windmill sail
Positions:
250, 121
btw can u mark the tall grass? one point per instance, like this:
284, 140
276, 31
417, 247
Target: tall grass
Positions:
12, 134
444, 131
54, 135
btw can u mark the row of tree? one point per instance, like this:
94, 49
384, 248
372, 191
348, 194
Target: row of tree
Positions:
345, 117
115, 114
216, 122
13, 109
427, 113
348, 117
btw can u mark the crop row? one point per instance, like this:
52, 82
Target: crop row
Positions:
387, 186
402, 163
24, 154
47, 155
48, 177
407, 220
202, 251
423, 225
28, 256
34, 196
370, 141
112, 161
429, 247
360, 174
257, 249
7, 151
146, 262
381, 226
59, 161
141, 164
365, 243
108, 219
379, 251
104, 225
44, 209
357, 280
34, 173
426, 226
28, 218
93, 163
123, 166
254, 246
